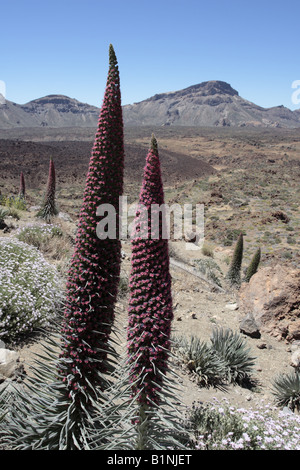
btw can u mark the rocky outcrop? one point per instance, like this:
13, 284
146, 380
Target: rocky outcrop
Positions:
272, 299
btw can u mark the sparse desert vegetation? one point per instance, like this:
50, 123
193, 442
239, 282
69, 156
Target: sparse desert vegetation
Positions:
248, 183
259, 204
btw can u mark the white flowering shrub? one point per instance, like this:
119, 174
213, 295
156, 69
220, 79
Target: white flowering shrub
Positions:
30, 289
220, 426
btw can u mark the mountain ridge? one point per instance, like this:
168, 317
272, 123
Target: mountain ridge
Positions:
209, 104
212, 103
51, 110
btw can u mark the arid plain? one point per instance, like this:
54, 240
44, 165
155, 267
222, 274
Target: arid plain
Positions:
246, 178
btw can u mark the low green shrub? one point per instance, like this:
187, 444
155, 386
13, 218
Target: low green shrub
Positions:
14, 213
207, 368
207, 250
230, 235
38, 235
210, 269
123, 285
16, 202
232, 348
226, 359
286, 390
290, 240
3, 213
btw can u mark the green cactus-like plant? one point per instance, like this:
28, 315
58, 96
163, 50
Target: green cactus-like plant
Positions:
3, 213
286, 390
253, 266
231, 347
207, 367
234, 272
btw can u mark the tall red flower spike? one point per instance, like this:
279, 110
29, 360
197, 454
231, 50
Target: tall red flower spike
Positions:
93, 277
22, 185
48, 208
150, 304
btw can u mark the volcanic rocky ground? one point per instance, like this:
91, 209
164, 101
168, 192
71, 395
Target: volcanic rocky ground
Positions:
245, 178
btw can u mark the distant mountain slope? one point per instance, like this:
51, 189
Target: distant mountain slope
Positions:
213, 103
53, 111
208, 104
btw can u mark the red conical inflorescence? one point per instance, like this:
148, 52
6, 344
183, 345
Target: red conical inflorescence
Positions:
95, 267
150, 304
22, 185
49, 208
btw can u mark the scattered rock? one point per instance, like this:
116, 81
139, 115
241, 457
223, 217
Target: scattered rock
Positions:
249, 327
295, 359
64, 216
9, 364
34, 208
287, 411
262, 346
232, 306
191, 237
295, 345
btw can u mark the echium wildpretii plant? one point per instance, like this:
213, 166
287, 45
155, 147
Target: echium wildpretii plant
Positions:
77, 405
48, 208
253, 266
95, 268
150, 308
22, 186
234, 272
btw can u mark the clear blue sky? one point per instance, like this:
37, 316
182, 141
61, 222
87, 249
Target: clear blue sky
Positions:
50, 47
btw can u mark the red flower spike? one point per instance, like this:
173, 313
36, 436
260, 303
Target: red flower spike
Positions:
48, 208
150, 304
93, 277
22, 185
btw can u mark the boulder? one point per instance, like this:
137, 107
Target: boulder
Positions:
9, 364
295, 359
232, 306
272, 297
249, 327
